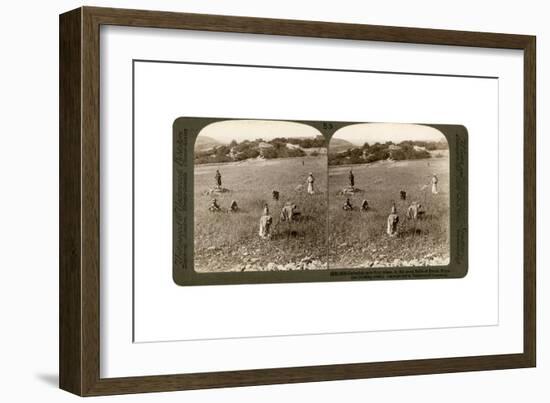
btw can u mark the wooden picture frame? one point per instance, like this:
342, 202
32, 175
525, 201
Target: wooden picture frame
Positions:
79, 280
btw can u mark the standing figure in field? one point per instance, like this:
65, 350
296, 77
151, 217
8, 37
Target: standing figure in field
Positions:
265, 226
234, 207
218, 178
365, 205
351, 178
393, 220
310, 180
403, 195
266, 209
275, 195
347, 205
434, 184
214, 206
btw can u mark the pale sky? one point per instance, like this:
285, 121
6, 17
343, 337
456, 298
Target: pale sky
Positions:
371, 133
240, 130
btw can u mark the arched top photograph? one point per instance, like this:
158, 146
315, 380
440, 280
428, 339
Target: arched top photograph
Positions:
389, 196
260, 197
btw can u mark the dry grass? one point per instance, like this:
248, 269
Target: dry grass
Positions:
229, 241
358, 239
225, 241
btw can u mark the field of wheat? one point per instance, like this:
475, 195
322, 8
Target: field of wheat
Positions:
226, 241
358, 239
325, 236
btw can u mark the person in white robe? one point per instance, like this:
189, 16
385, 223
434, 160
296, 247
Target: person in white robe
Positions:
289, 213
393, 220
310, 181
415, 211
434, 184
265, 226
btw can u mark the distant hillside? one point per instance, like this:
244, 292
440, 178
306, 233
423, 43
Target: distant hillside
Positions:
339, 145
204, 143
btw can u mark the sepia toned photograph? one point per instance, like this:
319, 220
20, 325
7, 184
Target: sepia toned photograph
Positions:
264, 201
389, 196
260, 197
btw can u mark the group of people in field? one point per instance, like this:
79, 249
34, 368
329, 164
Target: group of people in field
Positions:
289, 212
214, 206
415, 210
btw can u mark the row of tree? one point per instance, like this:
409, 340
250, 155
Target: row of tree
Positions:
405, 150
278, 148
275, 148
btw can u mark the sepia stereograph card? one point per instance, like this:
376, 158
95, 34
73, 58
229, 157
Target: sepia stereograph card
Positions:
270, 201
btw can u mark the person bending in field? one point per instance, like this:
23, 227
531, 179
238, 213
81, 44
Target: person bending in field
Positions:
347, 205
415, 211
289, 213
365, 205
266, 209
218, 178
214, 206
265, 226
234, 207
393, 220
310, 180
434, 184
